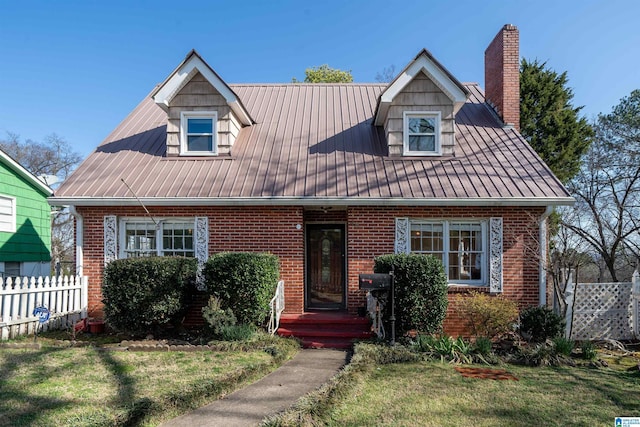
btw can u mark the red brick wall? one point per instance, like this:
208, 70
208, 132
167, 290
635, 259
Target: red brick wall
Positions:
370, 233
255, 229
502, 75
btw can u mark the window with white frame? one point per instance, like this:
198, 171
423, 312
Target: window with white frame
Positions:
198, 133
421, 136
7, 214
142, 237
460, 245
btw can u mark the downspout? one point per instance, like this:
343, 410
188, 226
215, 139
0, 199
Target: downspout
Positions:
79, 240
542, 273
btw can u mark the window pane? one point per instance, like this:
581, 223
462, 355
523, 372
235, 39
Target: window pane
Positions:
177, 239
140, 239
200, 143
422, 125
199, 126
422, 143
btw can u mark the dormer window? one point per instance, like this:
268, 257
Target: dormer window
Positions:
421, 136
198, 131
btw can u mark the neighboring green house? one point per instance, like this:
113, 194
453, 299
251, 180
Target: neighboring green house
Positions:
25, 222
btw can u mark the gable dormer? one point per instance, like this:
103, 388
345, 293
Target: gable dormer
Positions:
418, 108
204, 114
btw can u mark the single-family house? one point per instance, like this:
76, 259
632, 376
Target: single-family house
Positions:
327, 177
25, 222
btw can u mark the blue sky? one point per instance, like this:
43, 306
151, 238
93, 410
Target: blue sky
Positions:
77, 68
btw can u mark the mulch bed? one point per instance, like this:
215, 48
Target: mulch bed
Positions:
483, 373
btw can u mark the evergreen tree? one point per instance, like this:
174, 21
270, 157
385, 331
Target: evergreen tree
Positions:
549, 122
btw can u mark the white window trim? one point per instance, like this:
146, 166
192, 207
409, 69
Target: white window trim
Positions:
405, 133
184, 116
159, 249
484, 279
11, 228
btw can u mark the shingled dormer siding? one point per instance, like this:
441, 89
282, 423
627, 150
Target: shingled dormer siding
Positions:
421, 94
199, 95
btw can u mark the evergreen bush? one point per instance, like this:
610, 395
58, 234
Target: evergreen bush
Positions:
140, 295
244, 282
420, 291
538, 324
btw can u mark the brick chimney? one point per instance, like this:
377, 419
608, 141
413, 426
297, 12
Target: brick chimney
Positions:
502, 75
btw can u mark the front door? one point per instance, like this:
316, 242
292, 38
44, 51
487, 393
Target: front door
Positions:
325, 267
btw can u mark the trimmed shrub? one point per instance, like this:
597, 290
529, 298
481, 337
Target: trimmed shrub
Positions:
244, 282
216, 317
140, 295
538, 324
488, 316
420, 291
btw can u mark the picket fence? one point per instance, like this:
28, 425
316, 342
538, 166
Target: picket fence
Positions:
603, 310
65, 297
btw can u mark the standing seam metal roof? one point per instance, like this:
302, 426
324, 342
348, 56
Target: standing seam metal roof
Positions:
314, 141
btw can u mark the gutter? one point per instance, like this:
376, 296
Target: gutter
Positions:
311, 201
542, 272
79, 240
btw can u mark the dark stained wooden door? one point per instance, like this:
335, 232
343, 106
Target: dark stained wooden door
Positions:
325, 267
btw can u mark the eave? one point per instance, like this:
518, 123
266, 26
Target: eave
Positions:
310, 201
21, 171
191, 65
425, 63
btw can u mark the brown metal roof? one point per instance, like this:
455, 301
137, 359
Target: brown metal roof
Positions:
314, 143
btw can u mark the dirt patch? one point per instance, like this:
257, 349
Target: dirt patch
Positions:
484, 373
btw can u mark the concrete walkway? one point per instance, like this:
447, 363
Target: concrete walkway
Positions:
278, 391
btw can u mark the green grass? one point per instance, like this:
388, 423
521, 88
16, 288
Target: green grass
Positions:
433, 394
417, 393
89, 386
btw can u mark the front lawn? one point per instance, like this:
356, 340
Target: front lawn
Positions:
89, 386
371, 391
434, 394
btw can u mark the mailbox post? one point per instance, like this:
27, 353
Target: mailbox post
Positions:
382, 282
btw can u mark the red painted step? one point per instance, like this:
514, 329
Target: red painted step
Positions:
325, 329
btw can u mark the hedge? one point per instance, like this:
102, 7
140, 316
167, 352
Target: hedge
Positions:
142, 294
245, 282
420, 291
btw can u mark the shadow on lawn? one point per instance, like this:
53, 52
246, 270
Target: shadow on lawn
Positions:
32, 407
135, 410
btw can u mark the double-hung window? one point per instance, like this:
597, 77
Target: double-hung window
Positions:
7, 214
460, 245
198, 133
141, 237
421, 133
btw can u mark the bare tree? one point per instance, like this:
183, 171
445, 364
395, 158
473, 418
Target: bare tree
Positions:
54, 156
607, 190
386, 75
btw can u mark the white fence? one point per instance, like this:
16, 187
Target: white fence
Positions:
65, 297
277, 307
603, 310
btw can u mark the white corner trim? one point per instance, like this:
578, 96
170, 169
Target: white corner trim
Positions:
79, 240
544, 247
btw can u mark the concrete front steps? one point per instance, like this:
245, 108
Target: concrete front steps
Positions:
325, 329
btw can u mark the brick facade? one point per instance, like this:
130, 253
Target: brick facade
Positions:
502, 75
370, 232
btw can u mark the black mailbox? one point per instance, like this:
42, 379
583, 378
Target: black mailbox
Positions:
375, 282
